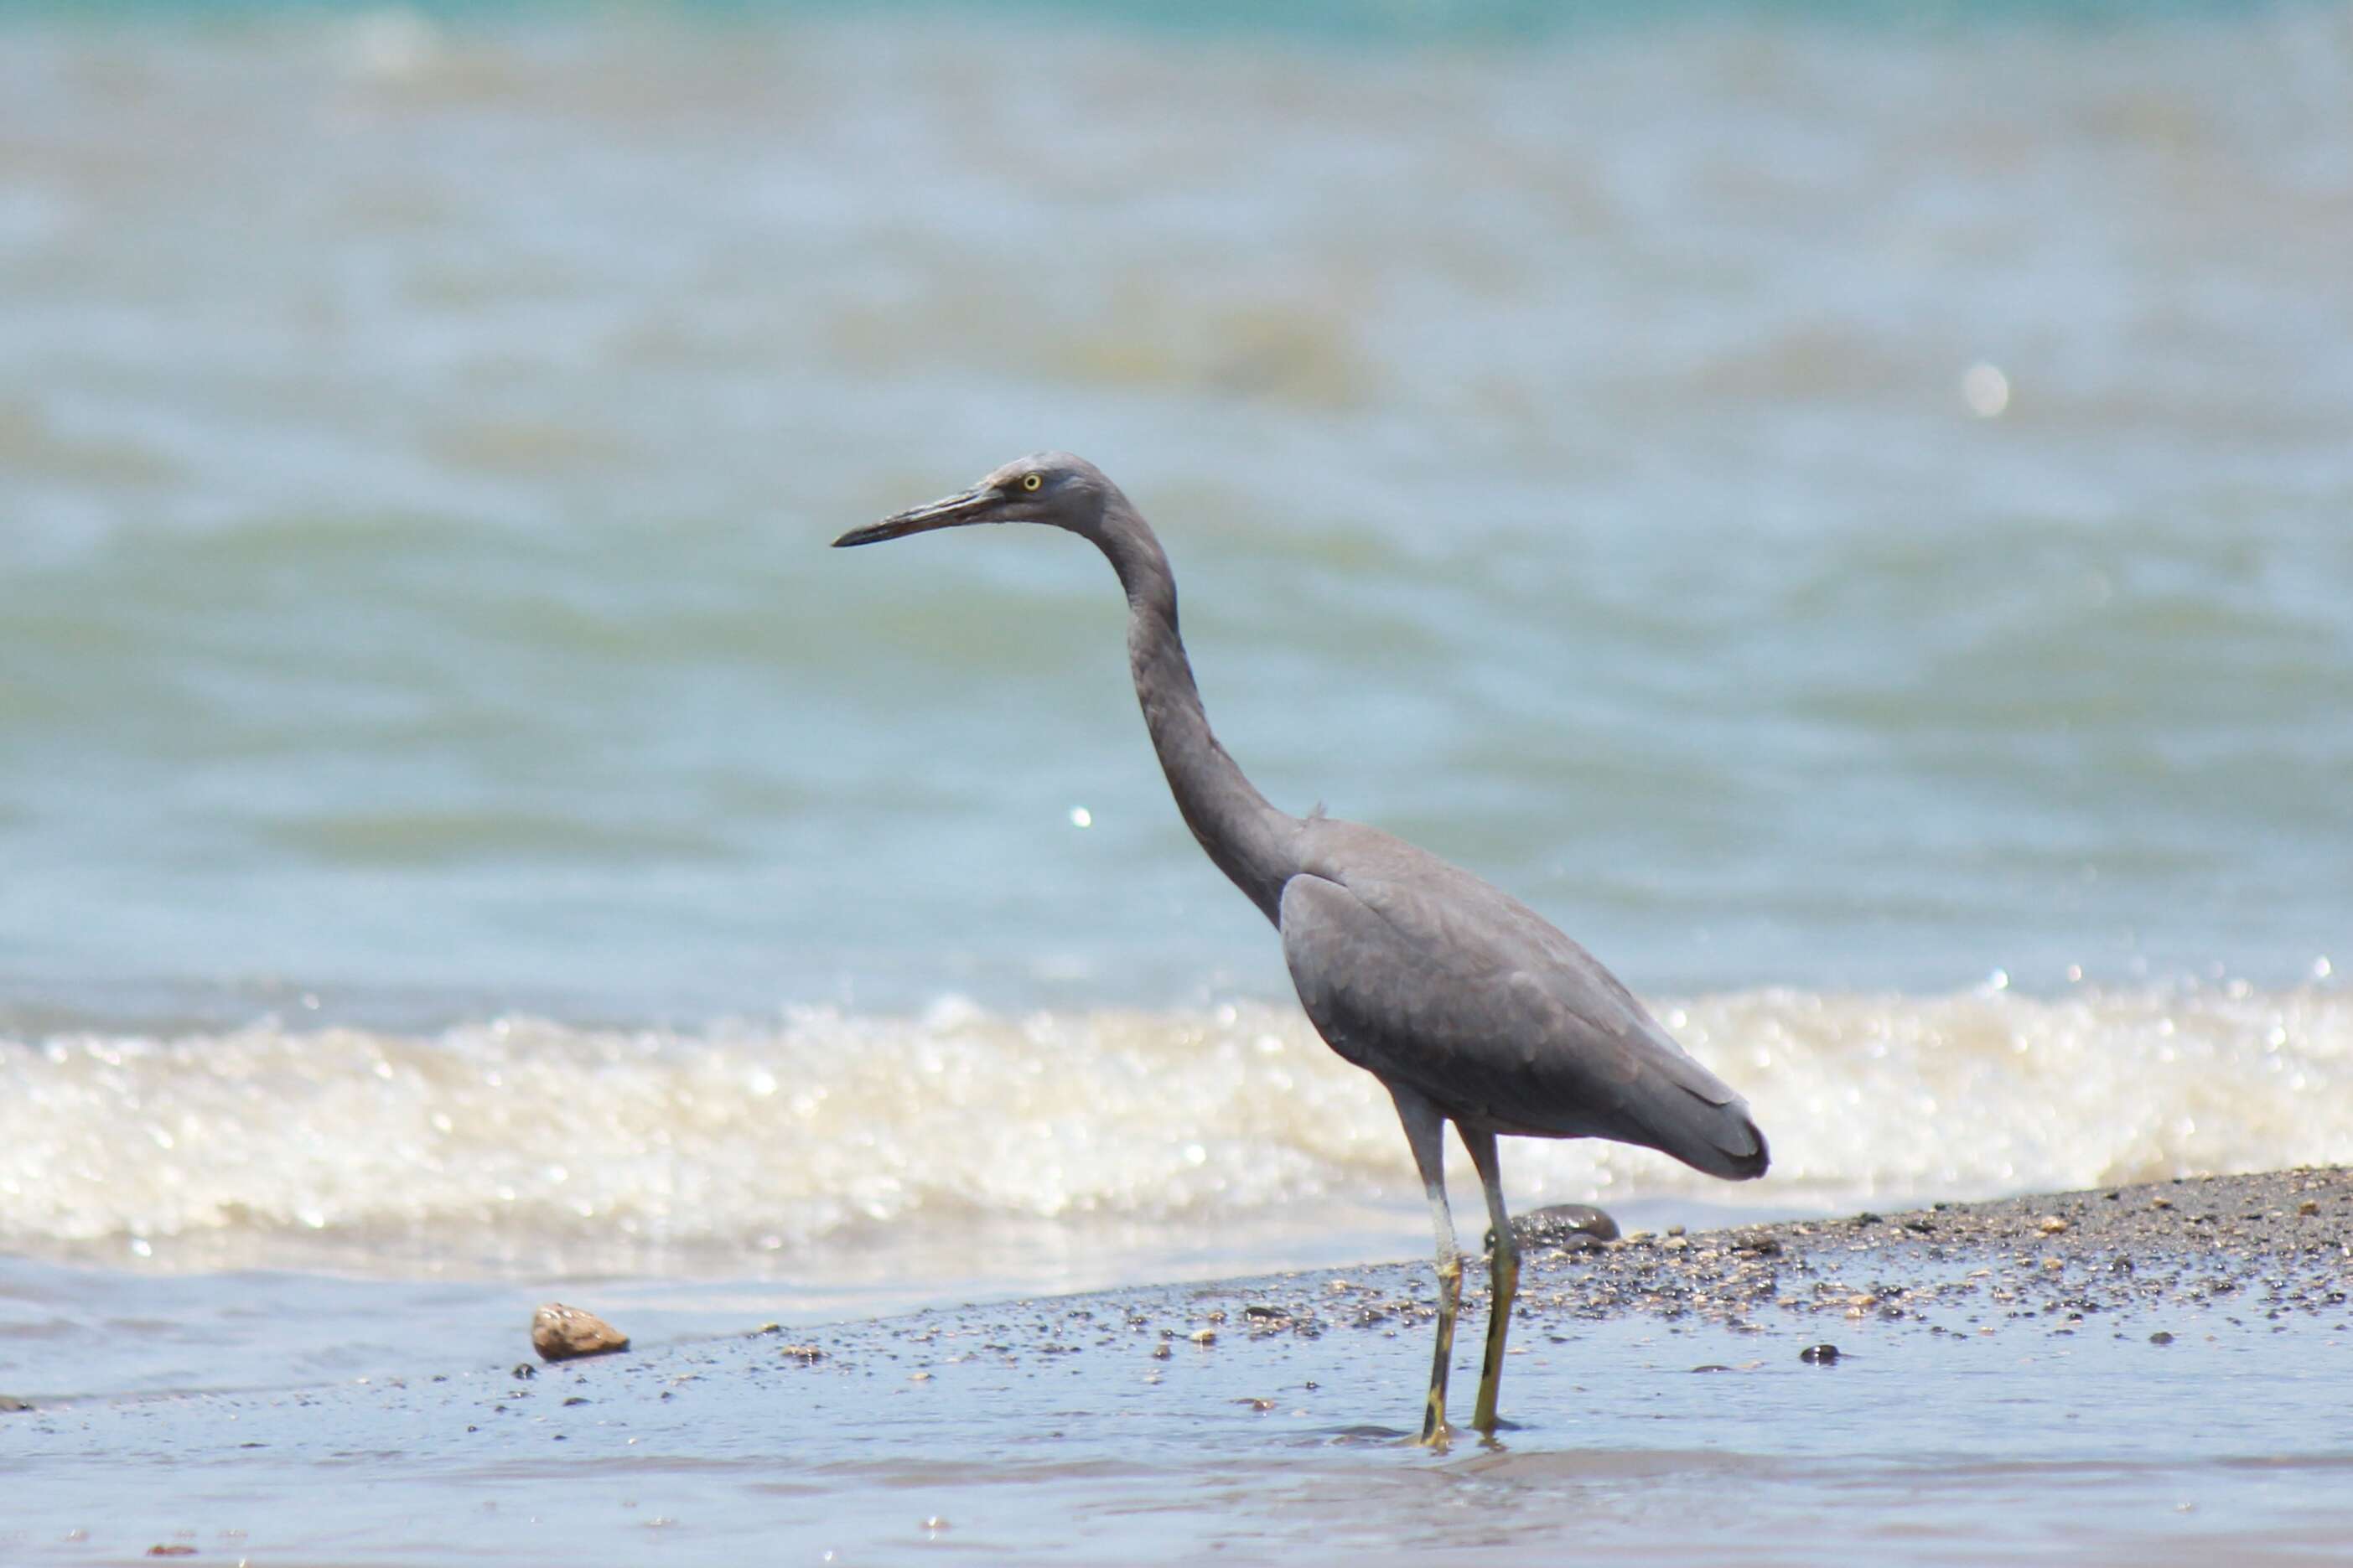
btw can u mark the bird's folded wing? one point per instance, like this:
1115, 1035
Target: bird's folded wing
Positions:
1490, 1012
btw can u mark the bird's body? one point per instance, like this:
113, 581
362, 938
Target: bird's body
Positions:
1467, 1004
1429, 978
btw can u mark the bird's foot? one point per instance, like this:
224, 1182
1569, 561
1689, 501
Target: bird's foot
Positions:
1487, 1438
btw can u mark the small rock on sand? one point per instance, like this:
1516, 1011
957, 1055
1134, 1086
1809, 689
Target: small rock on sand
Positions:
1820, 1355
559, 1333
9, 1401
1548, 1225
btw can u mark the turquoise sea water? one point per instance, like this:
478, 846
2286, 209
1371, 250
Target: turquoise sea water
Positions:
1854, 520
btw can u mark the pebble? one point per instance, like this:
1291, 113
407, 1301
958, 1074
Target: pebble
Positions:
1551, 1223
1818, 1355
2051, 1224
559, 1333
1203, 1336
10, 1402
2160, 1337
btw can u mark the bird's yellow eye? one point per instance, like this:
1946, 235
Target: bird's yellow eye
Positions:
1032, 482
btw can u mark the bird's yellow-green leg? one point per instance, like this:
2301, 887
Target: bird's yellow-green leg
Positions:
1504, 1274
1503, 1277
1435, 1432
1425, 1132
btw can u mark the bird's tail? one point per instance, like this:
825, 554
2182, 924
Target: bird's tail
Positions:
1740, 1151
1695, 1117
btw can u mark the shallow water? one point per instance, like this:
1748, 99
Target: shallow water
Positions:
960, 1432
1848, 517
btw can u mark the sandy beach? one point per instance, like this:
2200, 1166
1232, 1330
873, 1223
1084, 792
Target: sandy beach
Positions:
2131, 1375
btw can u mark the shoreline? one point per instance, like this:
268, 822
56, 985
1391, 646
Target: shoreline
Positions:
2147, 1372
2102, 1249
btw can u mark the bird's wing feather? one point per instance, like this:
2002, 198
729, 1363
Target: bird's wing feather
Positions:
1428, 977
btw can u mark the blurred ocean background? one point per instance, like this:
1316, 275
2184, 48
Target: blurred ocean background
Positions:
1849, 513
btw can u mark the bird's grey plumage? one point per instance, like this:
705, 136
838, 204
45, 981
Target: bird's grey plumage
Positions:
1421, 973
1467, 1003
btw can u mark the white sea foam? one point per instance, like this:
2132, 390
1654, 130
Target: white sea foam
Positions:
518, 1135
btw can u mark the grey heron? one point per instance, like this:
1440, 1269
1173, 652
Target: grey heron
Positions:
1468, 1006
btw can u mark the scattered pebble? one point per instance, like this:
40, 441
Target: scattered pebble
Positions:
9, 1403
1820, 1355
559, 1333
1548, 1226
2160, 1337
1203, 1336
2051, 1224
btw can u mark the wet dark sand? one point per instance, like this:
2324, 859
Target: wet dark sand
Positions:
2146, 1374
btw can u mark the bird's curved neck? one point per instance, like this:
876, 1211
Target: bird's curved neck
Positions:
1250, 841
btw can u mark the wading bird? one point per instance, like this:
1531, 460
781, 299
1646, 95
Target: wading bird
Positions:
1468, 1006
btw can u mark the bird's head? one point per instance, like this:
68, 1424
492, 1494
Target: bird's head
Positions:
1051, 487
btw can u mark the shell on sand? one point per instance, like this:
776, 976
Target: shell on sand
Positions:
559, 1333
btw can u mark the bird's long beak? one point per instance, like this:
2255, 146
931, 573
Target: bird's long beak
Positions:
965, 505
